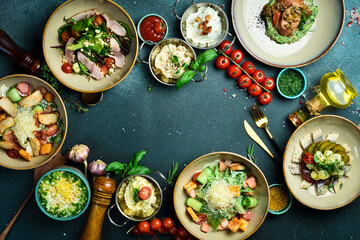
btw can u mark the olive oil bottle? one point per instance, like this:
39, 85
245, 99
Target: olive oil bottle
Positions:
334, 90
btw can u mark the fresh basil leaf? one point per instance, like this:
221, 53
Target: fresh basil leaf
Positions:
184, 78
83, 69
139, 170
128, 30
194, 65
136, 158
201, 68
207, 55
176, 59
114, 166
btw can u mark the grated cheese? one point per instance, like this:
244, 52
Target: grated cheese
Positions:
218, 196
24, 127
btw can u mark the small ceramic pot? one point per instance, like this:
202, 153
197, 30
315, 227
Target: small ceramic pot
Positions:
148, 15
303, 78
290, 200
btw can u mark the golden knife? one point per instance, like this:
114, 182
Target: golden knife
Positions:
256, 138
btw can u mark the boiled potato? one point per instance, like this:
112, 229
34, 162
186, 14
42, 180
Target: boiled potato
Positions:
31, 100
8, 106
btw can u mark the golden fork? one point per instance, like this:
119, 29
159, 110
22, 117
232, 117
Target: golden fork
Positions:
261, 121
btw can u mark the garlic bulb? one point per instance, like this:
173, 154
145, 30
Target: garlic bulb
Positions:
78, 154
97, 167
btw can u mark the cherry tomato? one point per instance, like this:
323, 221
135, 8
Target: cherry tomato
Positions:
162, 230
276, 19
268, 83
109, 62
182, 232
248, 67
143, 226
173, 230
150, 232
222, 62
168, 223
234, 71
65, 36
259, 76
98, 20
195, 176
244, 81
237, 55
145, 193
12, 153
104, 69
224, 44
66, 68
155, 224
246, 216
264, 98
159, 27
136, 231
177, 237
254, 89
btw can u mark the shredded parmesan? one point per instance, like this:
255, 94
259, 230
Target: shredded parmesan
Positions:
218, 196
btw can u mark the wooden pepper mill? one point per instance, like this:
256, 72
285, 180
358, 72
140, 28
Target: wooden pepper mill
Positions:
103, 189
24, 59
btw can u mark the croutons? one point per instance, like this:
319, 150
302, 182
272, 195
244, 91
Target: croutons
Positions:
25, 155
48, 118
6, 145
236, 167
235, 191
190, 186
31, 100
243, 224
192, 213
8, 106
35, 146
2, 117
49, 97
234, 224
45, 148
6, 123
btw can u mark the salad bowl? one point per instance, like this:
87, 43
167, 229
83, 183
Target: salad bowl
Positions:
53, 56
261, 193
21, 164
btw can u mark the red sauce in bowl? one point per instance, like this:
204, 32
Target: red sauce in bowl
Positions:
153, 28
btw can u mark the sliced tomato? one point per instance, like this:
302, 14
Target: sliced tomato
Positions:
145, 193
195, 176
104, 69
109, 62
65, 36
276, 19
12, 153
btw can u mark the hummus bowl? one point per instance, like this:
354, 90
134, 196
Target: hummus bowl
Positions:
138, 197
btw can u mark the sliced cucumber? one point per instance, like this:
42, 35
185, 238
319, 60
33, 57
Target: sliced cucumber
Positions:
37, 108
13, 95
195, 204
249, 202
76, 67
204, 175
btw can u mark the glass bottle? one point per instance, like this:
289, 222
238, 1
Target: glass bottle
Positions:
334, 90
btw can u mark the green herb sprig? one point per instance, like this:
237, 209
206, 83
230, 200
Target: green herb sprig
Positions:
250, 153
76, 105
46, 74
129, 169
196, 66
172, 172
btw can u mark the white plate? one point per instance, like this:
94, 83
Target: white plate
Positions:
250, 30
349, 134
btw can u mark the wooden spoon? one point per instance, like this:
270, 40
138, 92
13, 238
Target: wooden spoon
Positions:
58, 160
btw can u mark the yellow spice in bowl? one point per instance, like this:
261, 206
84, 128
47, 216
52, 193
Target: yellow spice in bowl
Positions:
279, 198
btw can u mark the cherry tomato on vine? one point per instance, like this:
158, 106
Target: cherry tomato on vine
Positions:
150, 232
237, 55
244, 81
254, 89
66, 68
173, 230
168, 223
268, 83
222, 62
182, 232
155, 224
136, 231
177, 237
224, 44
162, 230
234, 71
248, 67
259, 76
195, 176
65, 36
143, 226
264, 98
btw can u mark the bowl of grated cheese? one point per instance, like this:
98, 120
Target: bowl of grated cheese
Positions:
214, 207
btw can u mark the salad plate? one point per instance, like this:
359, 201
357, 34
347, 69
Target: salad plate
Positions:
261, 193
54, 58
34, 82
250, 30
338, 130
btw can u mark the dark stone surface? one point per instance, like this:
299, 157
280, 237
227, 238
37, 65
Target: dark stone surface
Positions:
173, 126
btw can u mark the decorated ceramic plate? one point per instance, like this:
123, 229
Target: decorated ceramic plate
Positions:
250, 30
59, 132
261, 193
340, 131
53, 56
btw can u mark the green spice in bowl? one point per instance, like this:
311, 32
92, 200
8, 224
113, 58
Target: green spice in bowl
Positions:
291, 83
280, 199
63, 193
